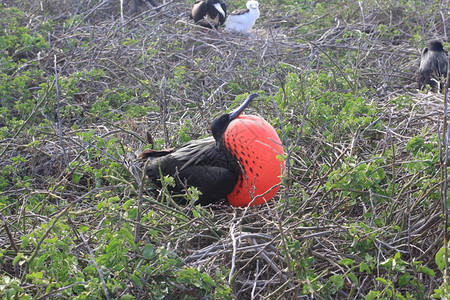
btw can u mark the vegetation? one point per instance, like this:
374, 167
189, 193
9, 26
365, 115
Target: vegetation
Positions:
362, 210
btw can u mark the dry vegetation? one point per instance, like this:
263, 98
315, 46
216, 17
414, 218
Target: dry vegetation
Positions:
86, 85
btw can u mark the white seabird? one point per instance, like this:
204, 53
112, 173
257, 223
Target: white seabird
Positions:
243, 21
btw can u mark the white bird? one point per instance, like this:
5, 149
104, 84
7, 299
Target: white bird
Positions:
243, 21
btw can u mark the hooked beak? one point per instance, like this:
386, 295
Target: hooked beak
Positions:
219, 9
235, 113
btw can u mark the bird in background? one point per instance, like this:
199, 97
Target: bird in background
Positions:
243, 21
209, 13
433, 66
240, 162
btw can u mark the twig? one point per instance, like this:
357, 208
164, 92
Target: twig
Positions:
121, 13
100, 273
233, 256
8, 232
444, 167
58, 112
61, 289
141, 199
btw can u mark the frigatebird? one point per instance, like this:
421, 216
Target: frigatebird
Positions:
209, 13
433, 66
240, 162
243, 21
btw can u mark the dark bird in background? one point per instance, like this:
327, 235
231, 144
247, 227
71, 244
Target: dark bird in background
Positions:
433, 66
239, 162
209, 13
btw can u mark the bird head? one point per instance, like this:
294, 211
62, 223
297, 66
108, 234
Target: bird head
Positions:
217, 5
436, 46
252, 4
220, 124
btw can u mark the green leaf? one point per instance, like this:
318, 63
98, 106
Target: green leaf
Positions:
439, 259
35, 275
41, 259
399, 296
338, 281
136, 280
364, 267
195, 213
76, 177
382, 280
17, 258
207, 279
353, 278
346, 262
127, 204
389, 293
388, 264
89, 270
372, 295
404, 280
426, 270
126, 233
148, 251
101, 205
113, 199
153, 232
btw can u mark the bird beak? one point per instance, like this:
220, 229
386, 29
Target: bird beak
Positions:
219, 8
235, 113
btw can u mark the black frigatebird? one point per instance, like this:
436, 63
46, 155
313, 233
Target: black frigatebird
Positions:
239, 162
209, 13
433, 66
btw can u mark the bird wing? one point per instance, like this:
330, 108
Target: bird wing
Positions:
201, 152
215, 183
239, 12
237, 19
198, 10
195, 153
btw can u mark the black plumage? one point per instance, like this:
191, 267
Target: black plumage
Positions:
198, 163
433, 66
209, 13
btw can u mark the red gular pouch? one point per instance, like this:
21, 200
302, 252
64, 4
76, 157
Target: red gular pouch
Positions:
256, 145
